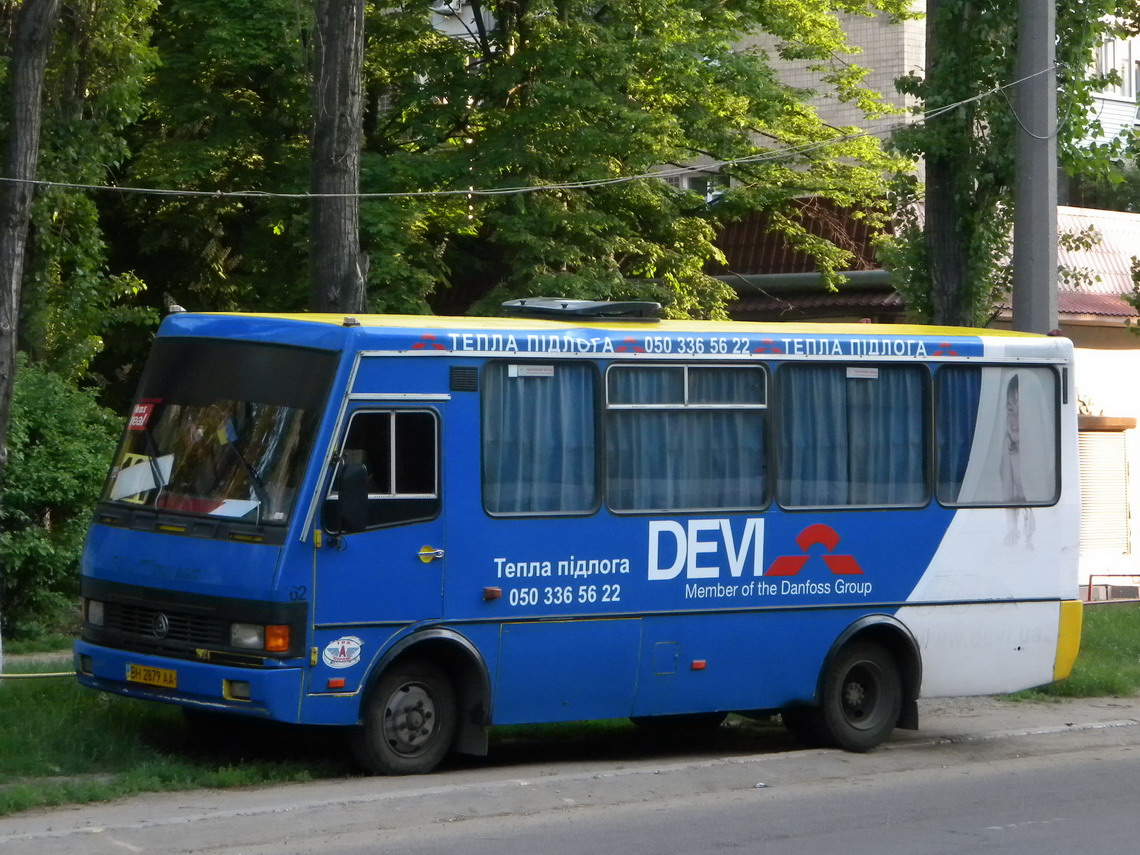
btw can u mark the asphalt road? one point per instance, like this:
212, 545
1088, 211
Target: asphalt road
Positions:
982, 776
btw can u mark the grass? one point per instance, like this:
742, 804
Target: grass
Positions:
44, 644
62, 744
1109, 661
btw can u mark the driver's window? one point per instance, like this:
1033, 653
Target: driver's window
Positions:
399, 452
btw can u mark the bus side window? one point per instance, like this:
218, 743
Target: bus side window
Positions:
398, 450
539, 438
853, 436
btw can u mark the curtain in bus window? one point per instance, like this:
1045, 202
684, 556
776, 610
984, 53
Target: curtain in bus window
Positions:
955, 414
1013, 453
852, 436
539, 441
674, 457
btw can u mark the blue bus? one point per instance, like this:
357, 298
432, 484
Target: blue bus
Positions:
416, 528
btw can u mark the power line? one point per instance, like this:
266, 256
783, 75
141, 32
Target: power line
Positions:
713, 166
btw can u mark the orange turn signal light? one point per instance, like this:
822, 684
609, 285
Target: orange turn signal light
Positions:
277, 637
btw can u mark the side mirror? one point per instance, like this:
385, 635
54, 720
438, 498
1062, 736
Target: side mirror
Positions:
351, 506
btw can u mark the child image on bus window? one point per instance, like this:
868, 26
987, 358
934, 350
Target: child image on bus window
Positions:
1013, 461
1020, 518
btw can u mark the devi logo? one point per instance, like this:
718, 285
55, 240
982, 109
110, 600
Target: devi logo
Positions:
839, 564
702, 548
717, 553
816, 535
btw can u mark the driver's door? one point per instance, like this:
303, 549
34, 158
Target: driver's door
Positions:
381, 561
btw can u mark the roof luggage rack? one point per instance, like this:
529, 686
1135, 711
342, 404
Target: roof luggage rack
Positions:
557, 308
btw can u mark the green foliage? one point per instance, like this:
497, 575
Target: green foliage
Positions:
560, 93
72, 300
539, 94
973, 145
227, 109
60, 442
1117, 190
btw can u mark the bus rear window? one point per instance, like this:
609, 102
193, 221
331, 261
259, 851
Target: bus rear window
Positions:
996, 430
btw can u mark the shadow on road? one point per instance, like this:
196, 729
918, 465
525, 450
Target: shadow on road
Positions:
216, 738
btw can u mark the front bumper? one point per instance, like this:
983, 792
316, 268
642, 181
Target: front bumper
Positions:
273, 692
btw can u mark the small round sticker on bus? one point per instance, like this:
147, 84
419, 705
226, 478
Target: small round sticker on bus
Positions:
343, 653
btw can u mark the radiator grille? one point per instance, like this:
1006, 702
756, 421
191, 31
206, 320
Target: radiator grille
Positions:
147, 624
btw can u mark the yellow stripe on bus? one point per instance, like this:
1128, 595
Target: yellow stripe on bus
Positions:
1068, 638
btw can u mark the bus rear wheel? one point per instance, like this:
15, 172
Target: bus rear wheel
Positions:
408, 722
862, 697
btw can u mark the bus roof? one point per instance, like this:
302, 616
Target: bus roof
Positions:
433, 335
475, 323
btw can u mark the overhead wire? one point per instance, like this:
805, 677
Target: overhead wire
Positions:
771, 155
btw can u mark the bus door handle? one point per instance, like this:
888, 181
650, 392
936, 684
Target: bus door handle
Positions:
429, 554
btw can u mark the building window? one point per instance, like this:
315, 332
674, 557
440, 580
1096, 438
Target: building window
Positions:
1117, 55
1104, 486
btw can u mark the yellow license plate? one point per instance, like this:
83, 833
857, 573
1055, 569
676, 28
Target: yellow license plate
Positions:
164, 678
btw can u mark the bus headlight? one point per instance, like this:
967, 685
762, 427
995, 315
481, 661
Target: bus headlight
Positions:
274, 638
248, 635
95, 612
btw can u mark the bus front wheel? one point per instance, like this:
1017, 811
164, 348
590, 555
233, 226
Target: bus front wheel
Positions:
862, 697
408, 722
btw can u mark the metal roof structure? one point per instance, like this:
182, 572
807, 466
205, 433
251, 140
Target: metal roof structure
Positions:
775, 281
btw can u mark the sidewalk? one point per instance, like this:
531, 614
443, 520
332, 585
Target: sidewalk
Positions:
994, 717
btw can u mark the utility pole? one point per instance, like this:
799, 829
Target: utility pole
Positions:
1035, 192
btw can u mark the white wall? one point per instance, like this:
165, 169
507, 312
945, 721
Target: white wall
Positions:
1109, 380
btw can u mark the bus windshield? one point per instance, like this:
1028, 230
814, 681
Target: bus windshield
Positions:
221, 429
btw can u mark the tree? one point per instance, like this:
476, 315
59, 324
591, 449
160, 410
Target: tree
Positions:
539, 94
34, 25
228, 108
522, 95
66, 299
950, 264
60, 441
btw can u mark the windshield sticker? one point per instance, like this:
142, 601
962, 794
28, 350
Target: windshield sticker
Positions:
343, 653
140, 474
140, 415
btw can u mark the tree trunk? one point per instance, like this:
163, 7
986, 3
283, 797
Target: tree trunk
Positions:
945, 255
34, 26
339, 268
30, 44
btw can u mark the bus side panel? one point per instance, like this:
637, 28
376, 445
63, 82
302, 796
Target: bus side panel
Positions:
984, 648
566, 670
725, 662
1005, 554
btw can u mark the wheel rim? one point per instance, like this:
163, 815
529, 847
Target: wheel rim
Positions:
860, 696
410, 720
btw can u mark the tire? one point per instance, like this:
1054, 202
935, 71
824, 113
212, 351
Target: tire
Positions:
408, 721
862, 697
